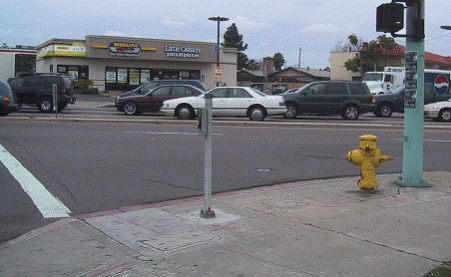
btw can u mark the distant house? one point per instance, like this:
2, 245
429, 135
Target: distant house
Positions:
275, 82
395, 57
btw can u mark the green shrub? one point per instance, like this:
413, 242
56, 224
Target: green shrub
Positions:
82, 86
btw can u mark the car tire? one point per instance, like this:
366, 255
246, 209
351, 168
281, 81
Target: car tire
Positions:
2, 113
45, 105
445, 115
384, 110
351, 112
130, 108
184, 112
257, 113
292, 112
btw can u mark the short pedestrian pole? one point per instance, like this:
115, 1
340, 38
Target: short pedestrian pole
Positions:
206, 126
55, 99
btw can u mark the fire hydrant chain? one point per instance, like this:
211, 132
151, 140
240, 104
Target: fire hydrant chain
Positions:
369, 157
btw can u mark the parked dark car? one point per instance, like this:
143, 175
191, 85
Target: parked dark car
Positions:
347, 98
134, 104
7, 99
37, 90
145, 88
387, 104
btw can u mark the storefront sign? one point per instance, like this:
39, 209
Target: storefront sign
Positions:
124, 49
182, 52
63, 50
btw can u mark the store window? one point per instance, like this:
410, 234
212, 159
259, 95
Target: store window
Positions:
74, 71
117, 78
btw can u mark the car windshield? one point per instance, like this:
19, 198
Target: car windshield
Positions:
372, 76
259, 92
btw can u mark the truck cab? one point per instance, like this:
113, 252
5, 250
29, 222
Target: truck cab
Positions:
386, 81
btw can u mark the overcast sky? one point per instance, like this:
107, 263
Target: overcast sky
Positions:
267, 26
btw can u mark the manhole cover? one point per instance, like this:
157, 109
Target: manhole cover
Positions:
172, 242
286, 203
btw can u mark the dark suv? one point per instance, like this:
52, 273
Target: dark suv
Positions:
346, 98
144, 89
37, 89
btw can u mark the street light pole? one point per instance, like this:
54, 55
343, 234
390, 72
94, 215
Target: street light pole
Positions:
446, 28
218, 19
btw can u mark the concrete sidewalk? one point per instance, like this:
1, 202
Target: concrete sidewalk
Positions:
314, 228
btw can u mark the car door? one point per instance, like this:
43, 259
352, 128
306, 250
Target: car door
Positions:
335, 96
32, 86
238, 101
309, 97
219, 101
153, 101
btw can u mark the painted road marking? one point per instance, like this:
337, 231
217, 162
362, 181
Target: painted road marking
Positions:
48, 205
169, 133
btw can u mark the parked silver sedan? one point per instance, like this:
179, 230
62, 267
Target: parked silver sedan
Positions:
439, 111
228, 101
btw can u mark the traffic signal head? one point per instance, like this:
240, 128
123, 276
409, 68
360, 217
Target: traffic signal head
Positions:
390, 18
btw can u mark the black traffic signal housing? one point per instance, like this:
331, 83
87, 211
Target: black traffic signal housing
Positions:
390, 18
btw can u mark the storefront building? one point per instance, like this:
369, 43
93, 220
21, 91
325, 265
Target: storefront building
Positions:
15, 61
123, 63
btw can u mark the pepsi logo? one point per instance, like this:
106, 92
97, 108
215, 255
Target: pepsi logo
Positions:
441, 81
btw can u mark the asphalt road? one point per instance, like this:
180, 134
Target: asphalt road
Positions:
96, 166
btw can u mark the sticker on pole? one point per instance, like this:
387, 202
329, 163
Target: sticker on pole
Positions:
410, 95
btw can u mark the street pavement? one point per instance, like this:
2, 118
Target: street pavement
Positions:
310, 228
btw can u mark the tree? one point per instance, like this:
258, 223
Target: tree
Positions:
233, 39
4, 45
279, 61
369, 54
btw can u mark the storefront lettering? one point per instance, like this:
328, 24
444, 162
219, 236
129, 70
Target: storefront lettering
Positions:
182, 52
124, 49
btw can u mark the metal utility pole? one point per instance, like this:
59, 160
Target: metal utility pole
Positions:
206, 126
299, 62
218, 19
412, 170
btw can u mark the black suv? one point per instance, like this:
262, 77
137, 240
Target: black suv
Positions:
145, 88
346, 98
37, 89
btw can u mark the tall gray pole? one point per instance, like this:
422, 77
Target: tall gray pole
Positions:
412, 170
208, 212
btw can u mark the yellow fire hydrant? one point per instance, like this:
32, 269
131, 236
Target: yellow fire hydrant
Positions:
369, 157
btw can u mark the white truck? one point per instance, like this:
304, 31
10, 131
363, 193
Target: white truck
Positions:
382, 82
394, 77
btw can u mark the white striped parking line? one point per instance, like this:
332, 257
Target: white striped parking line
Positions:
48, 205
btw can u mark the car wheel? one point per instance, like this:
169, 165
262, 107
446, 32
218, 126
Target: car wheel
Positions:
291, 111
2, 113
351, 112
184, 112
257, 114
385, 110
130, 108
45, 105
445, 115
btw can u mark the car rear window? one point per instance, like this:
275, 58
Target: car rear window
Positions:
358, 88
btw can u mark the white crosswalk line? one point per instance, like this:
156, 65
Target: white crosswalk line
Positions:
48, 205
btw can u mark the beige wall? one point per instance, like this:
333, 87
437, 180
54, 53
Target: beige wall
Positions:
337, 66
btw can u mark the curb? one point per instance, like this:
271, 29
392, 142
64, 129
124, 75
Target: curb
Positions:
228, 123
